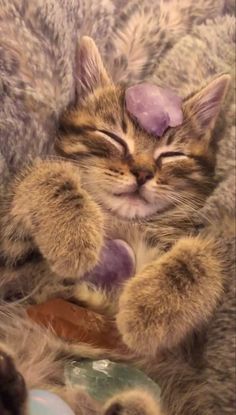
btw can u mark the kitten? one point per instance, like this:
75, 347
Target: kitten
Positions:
123, 183
181, 290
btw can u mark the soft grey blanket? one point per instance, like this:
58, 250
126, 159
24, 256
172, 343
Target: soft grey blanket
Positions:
179, 43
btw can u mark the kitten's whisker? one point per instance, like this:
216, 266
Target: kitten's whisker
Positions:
184, 201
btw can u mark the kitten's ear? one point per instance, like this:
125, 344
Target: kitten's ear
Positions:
91, 72
204, 106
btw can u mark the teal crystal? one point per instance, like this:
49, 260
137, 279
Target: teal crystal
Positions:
103, 378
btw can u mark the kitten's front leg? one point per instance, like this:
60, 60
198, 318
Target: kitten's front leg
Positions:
48, 210
171, 297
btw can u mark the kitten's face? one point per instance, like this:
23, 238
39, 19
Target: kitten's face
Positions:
129, 172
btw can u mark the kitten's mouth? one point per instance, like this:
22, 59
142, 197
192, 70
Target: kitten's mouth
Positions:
132, 204
132, 196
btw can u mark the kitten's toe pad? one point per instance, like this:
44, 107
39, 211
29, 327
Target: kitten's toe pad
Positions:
12, 387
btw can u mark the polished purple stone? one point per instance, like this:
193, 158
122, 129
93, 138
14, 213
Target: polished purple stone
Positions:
116, 264
154, 108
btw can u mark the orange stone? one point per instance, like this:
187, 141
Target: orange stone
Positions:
78, 324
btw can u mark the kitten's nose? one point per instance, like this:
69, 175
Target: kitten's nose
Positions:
142, 175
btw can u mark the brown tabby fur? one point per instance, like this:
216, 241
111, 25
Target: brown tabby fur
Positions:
58, 213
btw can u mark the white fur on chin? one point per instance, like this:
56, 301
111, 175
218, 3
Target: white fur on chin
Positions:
131, 206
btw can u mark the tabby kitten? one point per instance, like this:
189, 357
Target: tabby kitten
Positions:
124, 183
148, 189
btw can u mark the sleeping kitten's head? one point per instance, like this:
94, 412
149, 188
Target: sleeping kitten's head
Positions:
128, 171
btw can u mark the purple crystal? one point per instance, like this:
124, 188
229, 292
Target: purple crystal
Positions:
154, 108
115, 266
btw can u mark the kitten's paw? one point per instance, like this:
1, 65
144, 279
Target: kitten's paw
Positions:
13, 393
175, 295
71, 240
63, 221
135, 402
140, 319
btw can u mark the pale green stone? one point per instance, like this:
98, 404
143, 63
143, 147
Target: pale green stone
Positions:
103, 378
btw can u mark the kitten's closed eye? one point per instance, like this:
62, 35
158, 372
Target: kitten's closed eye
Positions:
171, 157
115, 140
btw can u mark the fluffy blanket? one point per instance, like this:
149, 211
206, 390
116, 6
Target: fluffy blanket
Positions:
179, 43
